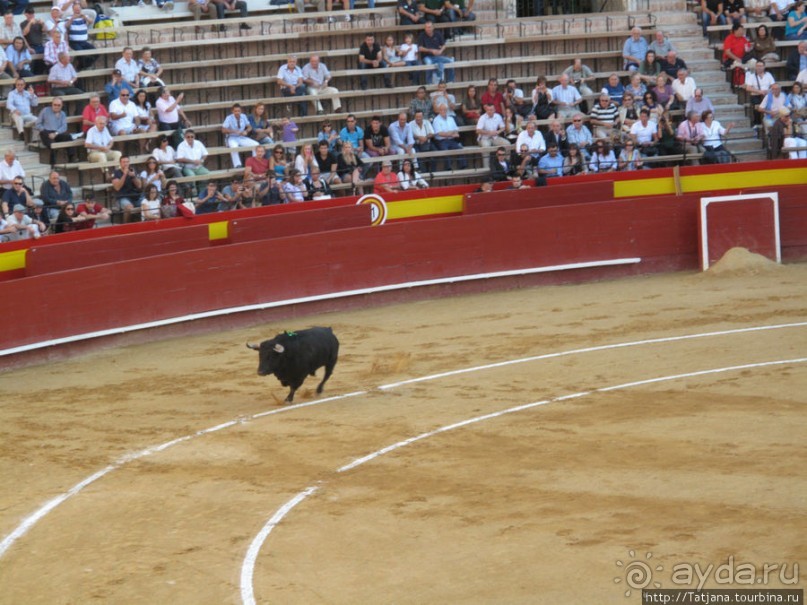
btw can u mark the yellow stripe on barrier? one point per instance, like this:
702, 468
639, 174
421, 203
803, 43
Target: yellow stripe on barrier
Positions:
218, 230
643, 187
11, 261
446, 204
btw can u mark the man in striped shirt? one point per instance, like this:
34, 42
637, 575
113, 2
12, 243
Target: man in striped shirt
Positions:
603, 117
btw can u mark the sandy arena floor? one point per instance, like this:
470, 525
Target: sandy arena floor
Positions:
539, 505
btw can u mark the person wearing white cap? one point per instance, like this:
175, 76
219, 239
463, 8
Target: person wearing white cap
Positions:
24, 225
55, 21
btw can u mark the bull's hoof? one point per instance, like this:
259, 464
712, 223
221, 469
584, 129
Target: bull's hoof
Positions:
319, 390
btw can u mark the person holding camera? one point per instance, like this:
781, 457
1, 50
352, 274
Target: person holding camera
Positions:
128, 188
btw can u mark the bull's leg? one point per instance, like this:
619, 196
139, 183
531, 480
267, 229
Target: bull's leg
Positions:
294, 386
328, 371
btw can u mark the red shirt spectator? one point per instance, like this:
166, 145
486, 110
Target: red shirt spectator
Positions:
492, 96
386, 181
737, 43
93, 109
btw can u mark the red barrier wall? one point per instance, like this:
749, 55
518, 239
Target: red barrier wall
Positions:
749, 223
104, 250
284, 225
517, 199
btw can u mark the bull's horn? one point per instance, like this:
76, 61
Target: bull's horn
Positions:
253, 347
279, 348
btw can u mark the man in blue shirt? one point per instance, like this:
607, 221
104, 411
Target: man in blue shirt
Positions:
446, 136
550, 165
634, 50
354, 134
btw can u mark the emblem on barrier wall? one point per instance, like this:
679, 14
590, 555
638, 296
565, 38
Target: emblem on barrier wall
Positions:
378, 208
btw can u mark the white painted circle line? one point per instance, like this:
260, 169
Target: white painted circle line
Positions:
248, 565
28, 522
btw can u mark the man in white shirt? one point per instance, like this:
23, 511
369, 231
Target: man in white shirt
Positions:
191, 154
402, 139
236, 129
128, 67
423, 132
489, 129
291, 82
645, 133
317, 79
533, 139
10, 168
566, 97
757, 85
122, 112
683, 86
98, 143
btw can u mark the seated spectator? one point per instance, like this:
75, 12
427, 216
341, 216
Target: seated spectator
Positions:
123, 116
683, 87
771, 104
327, 164
486, 186
166, 157
237, 196
392, 55
199, 8
783, 136
503, 168
434, 11
10, 168
152, 174
288, 135
690, 133
376, 139
33, 30
566, 98
764, 45
711, 14
634, 50
579, 74
645, 134
603, 118
55, 193
68, 220
423, 134
144, 118
557, 135
150, 69
98, 143
52, 127
90, 113
446, 137
39, 214
17, 193
78, 36
409, 178
441, 96
210, 199
628, 114
371, 57
20, 104
471, 106
489, 130
317, 188
8, 29
91, 211
734, 10
222, 6
293, 189
666, 143
128, 67
63, 77
317, 79
796, 26
714, 151
24, 225
386, 181
699, 102
127, 188
517, 183
117, 84
663, 93
660, 45
757, 85
458, 11
172, 201
305, 161
671, 64
432, 52
169, 112
542, 102
410, 54
236, 130
797, 104
578, 133
603, 158
191, 155
409, 14
650, 101
533, 139
421, 103
329, 135
278, 163
614, 88
66, 5
514, 99
270, 193
349, 165
20, 62
262, 130
257, 166
737, 48
629, 158
55, 22
636, 87
521, 162
649, 68
574, 162
551, 164
150, 204
492, 96
291, 82
797, 61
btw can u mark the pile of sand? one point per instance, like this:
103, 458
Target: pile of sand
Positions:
739, 261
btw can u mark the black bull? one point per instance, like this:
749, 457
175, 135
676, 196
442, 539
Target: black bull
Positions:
292, 356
